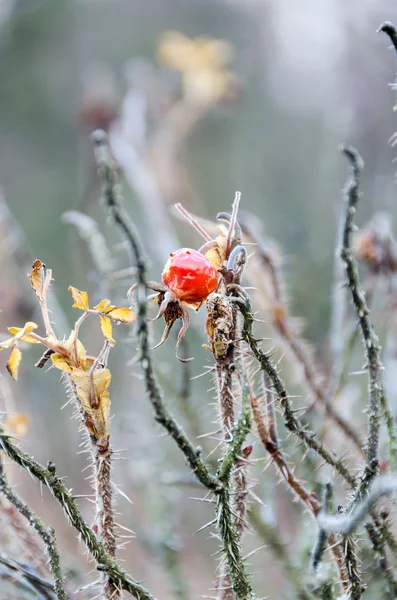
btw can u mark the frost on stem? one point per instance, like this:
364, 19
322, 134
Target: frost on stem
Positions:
371, 342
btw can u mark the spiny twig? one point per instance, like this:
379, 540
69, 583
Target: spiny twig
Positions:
371, 341
46, 534
322, 537
291, 421
356, 588
347, 523
225, 519
379, 548
267, 262
48, 477
113, 201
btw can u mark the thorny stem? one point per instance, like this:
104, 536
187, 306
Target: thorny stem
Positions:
55, 484
224, 387
379, 548
218, 485
322, 537
356, 588
295, 344
226, 522
371, 342
112, 198
291, 422
46, 534
101, 455
104, 517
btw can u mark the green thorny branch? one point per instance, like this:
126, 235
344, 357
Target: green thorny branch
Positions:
376, 400
45, 533
48, 477
225, 516
217, 484
292, 423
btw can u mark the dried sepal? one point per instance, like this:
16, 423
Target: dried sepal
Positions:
14, 361
107, 330
37, 279
17, 424
80, 298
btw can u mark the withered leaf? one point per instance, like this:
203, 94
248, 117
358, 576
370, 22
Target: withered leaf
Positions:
25, 331
80, 298
61, 362
37, 277
20, 334
99, 414
124, 315
14, 361
117, 313
103, 306
101, 380
71, 345
107, 330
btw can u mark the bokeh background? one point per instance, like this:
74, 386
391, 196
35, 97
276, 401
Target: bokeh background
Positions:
265, 115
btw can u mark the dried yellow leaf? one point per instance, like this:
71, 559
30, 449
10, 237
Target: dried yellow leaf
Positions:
80, 298
37, 276
22, 333
62, 362
125, 315
102, 378
17, 424
101, 381
14, 362
106, 326
103, 306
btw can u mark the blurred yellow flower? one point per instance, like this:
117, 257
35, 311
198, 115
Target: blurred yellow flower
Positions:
17, 424
202, 62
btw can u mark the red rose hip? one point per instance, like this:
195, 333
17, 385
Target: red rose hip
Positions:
190, 275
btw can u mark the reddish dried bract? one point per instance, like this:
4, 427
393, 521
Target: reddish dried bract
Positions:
190, 275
